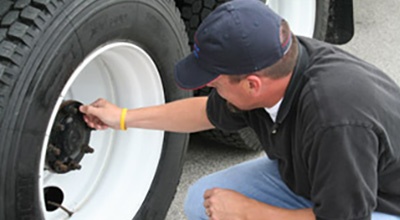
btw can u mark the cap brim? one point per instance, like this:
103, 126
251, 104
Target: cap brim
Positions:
190, 75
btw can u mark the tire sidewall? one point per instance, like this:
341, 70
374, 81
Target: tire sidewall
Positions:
78, 29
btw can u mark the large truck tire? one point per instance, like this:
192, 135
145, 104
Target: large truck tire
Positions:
52, 51
306, 18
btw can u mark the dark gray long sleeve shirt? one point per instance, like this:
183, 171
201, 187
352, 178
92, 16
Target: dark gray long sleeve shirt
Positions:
336, 135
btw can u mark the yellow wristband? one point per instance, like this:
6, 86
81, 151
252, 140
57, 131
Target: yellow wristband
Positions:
122, 124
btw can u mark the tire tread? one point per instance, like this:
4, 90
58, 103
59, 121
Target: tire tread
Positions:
10, 17
21, 4
193, 13
4, 8
21, 22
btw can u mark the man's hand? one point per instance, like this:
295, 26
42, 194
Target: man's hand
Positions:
224, 204
101, 115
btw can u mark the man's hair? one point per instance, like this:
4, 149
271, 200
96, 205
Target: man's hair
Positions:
284, 66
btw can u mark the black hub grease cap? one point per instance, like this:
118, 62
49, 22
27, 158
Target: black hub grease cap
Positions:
69, 139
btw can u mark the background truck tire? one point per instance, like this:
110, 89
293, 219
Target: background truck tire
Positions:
307, 18
56, 50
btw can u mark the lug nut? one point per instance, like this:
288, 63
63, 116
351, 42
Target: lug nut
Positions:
87, 149
69, 120
60, 127
73, 110
60, 166
55, 150
74, 165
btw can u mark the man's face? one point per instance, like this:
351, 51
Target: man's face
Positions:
251, 92
234, 93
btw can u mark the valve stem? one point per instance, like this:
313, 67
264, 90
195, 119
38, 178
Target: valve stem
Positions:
61, 207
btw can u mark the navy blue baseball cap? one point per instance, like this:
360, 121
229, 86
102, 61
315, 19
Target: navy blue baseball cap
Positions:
238, 37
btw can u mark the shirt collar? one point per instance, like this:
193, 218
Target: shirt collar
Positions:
273, 111
295, 84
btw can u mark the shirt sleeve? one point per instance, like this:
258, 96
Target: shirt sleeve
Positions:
223, 117
343, 166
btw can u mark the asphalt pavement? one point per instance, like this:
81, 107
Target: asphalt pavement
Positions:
376, 40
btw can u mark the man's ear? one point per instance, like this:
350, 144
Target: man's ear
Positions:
253, 84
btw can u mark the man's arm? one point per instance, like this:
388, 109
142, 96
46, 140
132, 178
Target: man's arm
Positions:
186, 115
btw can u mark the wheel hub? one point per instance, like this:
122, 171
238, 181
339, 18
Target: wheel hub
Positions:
69, 139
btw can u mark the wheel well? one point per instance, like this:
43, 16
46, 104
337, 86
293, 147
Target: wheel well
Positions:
340, 22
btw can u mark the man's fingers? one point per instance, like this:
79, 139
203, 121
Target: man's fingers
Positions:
93, 107
208, 213
90, 117
89, 110
99, 102
206, 203
100, 125
97, 115
208, 193
84, 109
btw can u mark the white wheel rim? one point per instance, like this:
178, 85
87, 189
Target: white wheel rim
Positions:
300, 14
114, 181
